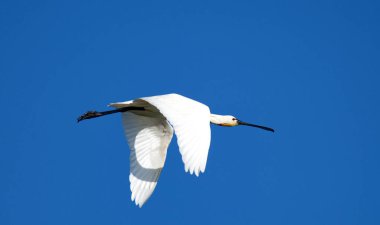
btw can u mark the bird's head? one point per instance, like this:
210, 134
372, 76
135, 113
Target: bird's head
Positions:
226, 121
231, 121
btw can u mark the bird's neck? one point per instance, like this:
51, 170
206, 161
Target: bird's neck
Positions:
217, 119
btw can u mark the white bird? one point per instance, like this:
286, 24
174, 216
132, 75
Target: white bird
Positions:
149, 123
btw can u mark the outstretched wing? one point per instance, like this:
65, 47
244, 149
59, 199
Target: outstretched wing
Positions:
191, 122
148, 138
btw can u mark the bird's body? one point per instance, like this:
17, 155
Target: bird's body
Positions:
149, 124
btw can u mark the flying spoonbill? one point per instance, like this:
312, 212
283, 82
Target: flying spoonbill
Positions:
149, 123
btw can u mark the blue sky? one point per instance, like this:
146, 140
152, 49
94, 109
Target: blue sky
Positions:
310, 69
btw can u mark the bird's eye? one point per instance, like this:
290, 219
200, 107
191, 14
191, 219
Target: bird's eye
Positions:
233, 118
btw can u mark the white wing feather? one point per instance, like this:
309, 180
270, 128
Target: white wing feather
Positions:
148, 138
149, 134
191, 122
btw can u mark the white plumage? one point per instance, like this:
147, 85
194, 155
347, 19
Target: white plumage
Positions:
149, 133
149, 124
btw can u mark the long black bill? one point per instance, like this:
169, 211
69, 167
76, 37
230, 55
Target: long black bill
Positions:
94, 114
254, 125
